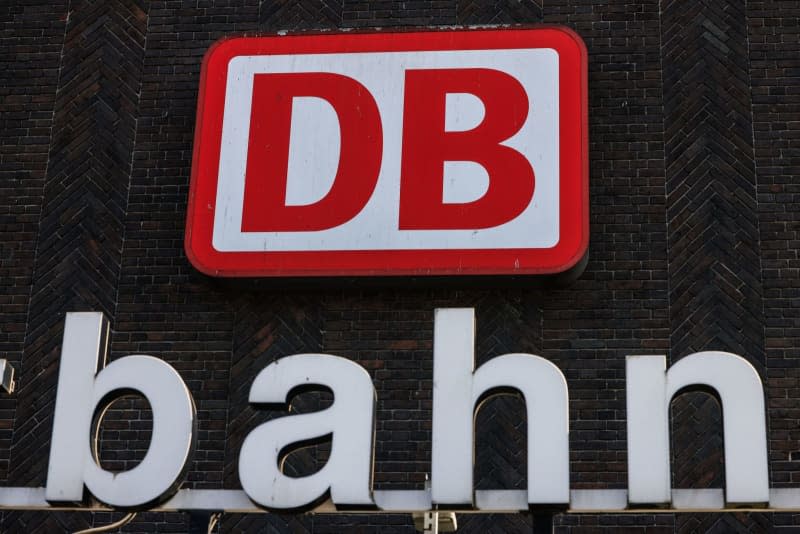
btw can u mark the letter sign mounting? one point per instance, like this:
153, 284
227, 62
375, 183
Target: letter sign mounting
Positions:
458, 152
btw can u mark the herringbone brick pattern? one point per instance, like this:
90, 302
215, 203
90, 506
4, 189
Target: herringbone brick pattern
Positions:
293, 15
715, 280
498, 11
80, 240
84, 203
386, 13
29, 33
697, 460
715, 286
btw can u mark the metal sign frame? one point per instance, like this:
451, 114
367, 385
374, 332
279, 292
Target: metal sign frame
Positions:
573, 207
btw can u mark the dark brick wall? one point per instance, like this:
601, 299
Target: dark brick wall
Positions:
695, 232
31, 33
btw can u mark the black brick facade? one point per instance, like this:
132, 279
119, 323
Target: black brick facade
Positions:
695, 239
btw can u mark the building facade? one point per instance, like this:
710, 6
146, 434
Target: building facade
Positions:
694, 130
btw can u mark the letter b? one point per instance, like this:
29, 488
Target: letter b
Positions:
81, 399
427, 146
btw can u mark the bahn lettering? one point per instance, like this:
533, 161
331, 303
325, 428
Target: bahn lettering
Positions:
86, 387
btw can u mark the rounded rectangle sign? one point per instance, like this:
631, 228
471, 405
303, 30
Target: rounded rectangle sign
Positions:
457, 152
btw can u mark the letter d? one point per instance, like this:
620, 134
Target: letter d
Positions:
83, 396
265, 208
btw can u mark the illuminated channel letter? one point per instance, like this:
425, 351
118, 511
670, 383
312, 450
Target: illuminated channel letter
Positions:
83, 396
349, 420
457, 390
650, 389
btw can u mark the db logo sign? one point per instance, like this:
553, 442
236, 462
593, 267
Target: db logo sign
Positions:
434, 153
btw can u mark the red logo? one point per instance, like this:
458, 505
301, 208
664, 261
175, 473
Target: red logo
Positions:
433, 153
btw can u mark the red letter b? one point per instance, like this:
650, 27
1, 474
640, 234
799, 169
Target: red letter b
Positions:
426, 146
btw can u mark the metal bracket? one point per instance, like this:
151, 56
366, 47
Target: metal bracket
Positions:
435, 522
7, 376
